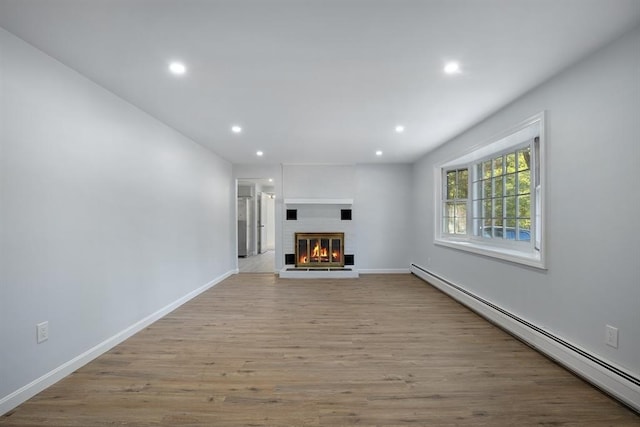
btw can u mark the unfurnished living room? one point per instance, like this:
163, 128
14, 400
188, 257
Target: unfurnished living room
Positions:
319, 212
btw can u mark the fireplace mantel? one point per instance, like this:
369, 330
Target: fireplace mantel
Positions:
318, 201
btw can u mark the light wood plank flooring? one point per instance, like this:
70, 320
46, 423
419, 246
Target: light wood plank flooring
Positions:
381, 350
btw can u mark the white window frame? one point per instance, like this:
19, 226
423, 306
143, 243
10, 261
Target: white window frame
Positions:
530, 253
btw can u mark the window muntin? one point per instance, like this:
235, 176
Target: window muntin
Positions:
499, 211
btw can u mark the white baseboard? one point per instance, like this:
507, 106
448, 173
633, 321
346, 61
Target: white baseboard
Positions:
384, 271
601, 373
24, 393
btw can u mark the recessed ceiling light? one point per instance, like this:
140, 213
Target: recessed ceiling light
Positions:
236, 129
270, 179
399, 128
177, 68
379, 153
452, 68
259, 153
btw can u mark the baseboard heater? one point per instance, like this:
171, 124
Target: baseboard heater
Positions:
629, 390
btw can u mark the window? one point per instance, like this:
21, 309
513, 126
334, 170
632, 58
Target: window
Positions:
491, 198
455, 208
502, 196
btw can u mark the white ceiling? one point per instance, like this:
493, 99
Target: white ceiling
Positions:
319, 81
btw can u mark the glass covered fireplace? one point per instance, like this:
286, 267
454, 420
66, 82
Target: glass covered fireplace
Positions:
319, 250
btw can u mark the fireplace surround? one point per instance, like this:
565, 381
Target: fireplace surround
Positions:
319, 219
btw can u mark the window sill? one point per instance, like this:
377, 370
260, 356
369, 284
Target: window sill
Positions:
531, 259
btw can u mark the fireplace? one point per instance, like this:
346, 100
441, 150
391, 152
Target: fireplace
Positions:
319, 250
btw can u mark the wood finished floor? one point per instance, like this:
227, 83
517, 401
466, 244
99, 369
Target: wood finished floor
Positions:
381, 350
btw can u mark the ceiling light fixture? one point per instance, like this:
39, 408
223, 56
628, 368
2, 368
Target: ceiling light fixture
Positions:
236, 129
399, 128
259, 153
452, 68
379, 153
177, 68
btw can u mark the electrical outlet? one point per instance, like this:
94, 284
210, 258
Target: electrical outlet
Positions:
42, 330
611, 336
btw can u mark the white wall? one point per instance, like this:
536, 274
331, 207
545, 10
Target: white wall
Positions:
106, 215
593, 201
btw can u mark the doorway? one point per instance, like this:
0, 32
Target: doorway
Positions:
256, 225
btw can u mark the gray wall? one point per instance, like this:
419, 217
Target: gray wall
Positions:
381, 196
382, 201
318, 181
593, 201
382, 214
106, 215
